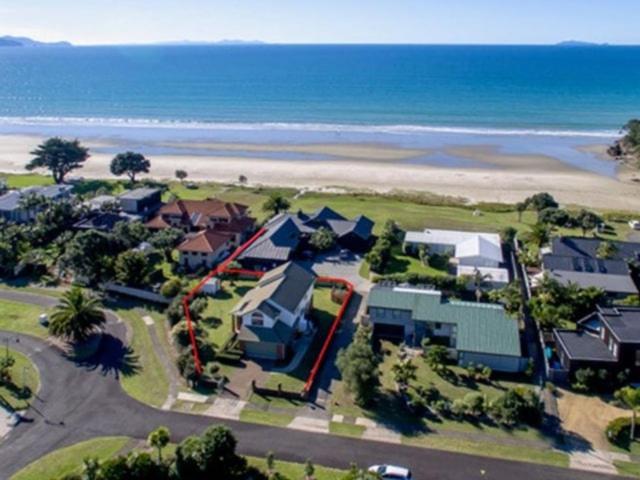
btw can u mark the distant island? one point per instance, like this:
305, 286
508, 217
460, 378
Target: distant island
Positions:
219, 42
578, 43
9, 41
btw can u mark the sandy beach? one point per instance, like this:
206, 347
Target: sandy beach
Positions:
497, 176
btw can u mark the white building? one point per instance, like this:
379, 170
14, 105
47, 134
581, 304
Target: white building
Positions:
468, 248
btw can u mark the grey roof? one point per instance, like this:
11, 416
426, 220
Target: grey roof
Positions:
324, 214
579, 345
11, 200
585, 264
139, 193
481, 327
280, 333
282, 288
609, 283
362, 226
103, 221
588, 247
624, 322
278, 243
576, 260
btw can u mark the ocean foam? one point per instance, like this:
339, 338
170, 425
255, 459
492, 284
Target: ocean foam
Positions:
309, 127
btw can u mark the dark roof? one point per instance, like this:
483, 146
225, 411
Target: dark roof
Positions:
607, 282
278, 243
325, 214
588, 247
585, 264
139, 193
579, 345
280, 333
362, 227
624, 322
102, 221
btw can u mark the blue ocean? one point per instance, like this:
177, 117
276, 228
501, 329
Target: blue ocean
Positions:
542, 100
583, 89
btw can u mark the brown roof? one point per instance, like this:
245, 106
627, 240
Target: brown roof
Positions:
206, 241
157, 222
209, 207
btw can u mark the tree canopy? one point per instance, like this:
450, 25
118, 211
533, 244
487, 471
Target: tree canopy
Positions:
59, 157
276, 203
76, 316
358, 365
131, 164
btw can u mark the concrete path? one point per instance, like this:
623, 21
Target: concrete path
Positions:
228, 408
79, 401
310, 424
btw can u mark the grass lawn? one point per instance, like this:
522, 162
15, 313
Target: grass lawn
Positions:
69, 460
23, 373
324, 312
26, 287
265, 418
21, 318
631, 469
144, 377
389, 409
217, 320
496, 450
346, 429
21, 180
295, 471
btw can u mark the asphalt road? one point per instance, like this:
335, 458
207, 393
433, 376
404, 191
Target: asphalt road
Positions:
77, 402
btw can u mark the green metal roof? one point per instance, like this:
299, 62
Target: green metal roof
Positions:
481, 327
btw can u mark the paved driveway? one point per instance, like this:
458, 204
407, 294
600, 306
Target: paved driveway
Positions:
331, 265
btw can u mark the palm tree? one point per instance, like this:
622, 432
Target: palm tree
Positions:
76, 316
480, 280
539, 234
631, 398
159, 439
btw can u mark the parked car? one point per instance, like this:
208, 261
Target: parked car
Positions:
391, 472
634, 224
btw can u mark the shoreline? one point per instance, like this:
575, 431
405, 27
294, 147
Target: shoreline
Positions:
496, 176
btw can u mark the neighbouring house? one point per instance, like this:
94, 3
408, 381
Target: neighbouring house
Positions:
607, 339
270, 315
478, 333
12, 203
287, 236
577, 260
211, 214
103, 221
100, 202
204, 249
469, 252
143, 201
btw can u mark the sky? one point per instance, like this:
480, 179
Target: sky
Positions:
96, 22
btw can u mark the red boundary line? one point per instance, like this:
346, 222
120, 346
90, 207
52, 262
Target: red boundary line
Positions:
223, 268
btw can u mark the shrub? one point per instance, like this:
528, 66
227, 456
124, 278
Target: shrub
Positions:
618, 431
171, 288
474, 404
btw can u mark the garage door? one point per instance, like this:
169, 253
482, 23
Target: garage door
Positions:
261, 350
393, 332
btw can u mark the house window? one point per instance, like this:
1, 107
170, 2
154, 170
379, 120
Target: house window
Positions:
637, 358
615, 350
438, 325
257, 319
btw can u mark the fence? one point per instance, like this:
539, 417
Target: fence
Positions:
223, 269
137, 293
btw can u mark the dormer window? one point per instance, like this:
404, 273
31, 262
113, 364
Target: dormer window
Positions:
257, 319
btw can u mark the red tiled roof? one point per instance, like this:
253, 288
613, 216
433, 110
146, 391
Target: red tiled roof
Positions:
157, 222
206, 241
210, 207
